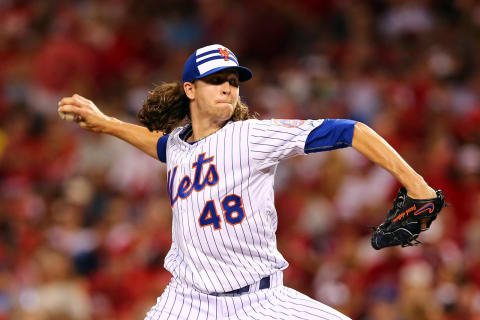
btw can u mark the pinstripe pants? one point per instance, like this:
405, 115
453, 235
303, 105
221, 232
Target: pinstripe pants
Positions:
278, 302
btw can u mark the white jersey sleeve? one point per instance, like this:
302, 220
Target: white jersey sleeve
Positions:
277, 139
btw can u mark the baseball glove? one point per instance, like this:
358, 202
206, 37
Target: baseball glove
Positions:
406, 220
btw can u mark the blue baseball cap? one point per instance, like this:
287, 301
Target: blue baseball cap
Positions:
211, 59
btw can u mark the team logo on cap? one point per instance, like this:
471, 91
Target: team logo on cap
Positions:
224, 53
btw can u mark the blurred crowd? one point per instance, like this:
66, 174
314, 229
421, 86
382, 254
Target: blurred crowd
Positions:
85, 221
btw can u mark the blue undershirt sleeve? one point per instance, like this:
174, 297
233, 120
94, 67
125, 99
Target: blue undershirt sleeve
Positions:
330, 135
162, 148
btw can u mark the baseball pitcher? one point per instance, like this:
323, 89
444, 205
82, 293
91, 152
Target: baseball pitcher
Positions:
221, 161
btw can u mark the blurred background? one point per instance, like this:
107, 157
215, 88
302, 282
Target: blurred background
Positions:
85, 219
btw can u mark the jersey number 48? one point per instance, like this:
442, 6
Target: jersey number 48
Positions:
232, 207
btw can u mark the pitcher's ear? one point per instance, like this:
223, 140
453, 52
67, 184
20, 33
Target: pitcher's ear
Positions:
189, 89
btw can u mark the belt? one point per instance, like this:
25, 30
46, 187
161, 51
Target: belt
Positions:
264, 284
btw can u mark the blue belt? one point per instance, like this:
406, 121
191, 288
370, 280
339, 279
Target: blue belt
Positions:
264, 284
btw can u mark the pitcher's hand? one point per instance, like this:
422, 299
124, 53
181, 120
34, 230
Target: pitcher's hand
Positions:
85, 113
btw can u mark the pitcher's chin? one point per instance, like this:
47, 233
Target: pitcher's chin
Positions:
224, 111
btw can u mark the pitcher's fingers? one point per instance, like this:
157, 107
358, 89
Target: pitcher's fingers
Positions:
70, 100
81, 98
82, 124
72, 109
77, 118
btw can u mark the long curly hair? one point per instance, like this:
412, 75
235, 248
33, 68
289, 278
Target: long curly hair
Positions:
167, 107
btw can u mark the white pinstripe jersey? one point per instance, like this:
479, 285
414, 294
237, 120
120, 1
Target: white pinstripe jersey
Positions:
221, 192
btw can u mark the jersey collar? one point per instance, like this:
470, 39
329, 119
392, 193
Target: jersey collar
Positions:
184, 132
